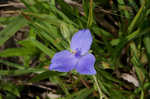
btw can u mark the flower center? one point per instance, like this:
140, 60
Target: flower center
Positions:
77, 53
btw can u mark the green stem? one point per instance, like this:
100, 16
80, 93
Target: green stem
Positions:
142, 95
97, 85
90, 18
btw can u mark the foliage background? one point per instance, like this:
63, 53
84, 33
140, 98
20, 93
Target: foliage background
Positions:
120, 29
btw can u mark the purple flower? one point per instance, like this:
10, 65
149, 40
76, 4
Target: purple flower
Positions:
79, 58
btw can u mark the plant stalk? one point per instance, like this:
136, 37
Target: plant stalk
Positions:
97, 85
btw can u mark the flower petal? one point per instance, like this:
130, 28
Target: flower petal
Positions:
63, 61
86, 65
81, 40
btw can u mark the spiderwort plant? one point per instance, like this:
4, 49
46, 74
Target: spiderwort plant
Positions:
79, 58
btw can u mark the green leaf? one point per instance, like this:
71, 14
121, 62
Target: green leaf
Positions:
43, 48
16, 52
12, 28
20, 72
10, 88
10, 64
136, 19
81, 94
147, 45
45, 75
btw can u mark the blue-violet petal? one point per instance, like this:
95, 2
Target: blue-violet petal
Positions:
82, 41
86, 65
63, 61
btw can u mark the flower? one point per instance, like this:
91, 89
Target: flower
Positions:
79, 58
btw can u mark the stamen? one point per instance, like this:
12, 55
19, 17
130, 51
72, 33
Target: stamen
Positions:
74, 52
